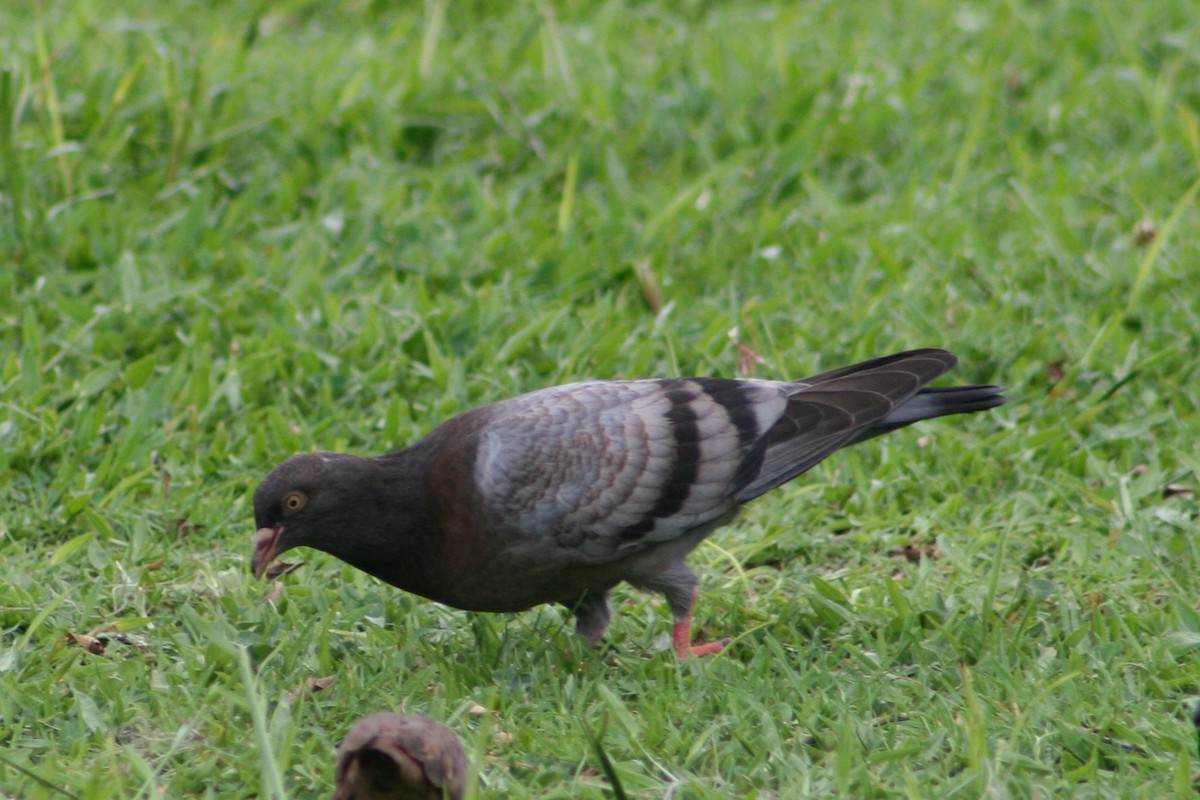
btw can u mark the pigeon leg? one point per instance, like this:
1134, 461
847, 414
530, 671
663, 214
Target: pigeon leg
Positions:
682, 639
681, 589
592, 615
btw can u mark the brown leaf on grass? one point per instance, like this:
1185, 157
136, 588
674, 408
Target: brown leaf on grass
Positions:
92, 644
1144, 232
748, 360
153, 565
319, 684
311, 686
183, 528
1055, 371
98, 644
277, 568
916, 553
649, 284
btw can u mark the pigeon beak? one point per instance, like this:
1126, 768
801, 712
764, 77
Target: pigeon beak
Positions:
266, 548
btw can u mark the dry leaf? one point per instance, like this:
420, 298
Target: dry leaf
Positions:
90, 643
1055, 371
649, 284
182, 528
319, 684
277, 568
311, 686
748, 359
915, 553
475, 709
1144, 232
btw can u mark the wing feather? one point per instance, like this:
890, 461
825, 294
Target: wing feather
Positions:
609, 466
618, 464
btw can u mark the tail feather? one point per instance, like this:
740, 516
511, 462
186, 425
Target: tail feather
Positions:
927, 363
939, 402
852, 404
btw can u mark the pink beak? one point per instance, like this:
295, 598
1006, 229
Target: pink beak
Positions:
266, 548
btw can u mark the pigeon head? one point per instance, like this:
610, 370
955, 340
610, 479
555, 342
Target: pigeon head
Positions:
304, 502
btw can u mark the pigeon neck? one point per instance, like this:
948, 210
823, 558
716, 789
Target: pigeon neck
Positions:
388, 532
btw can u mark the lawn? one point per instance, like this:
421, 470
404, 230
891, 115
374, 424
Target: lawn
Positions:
233, 231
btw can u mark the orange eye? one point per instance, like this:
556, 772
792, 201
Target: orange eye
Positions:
294, 502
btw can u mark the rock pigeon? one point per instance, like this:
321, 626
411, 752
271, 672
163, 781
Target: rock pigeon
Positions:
558, 495
400, 757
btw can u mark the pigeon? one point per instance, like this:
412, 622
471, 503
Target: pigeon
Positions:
400, 757
558, 495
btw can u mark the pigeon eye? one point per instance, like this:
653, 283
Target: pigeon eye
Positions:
294, 502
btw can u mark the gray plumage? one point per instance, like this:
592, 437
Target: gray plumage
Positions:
560, 494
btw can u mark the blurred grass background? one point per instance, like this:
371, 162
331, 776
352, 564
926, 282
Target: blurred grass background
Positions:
236, 230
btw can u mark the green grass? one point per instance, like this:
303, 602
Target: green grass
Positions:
232, 231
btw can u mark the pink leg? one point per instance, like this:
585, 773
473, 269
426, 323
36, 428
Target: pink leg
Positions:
682, 639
